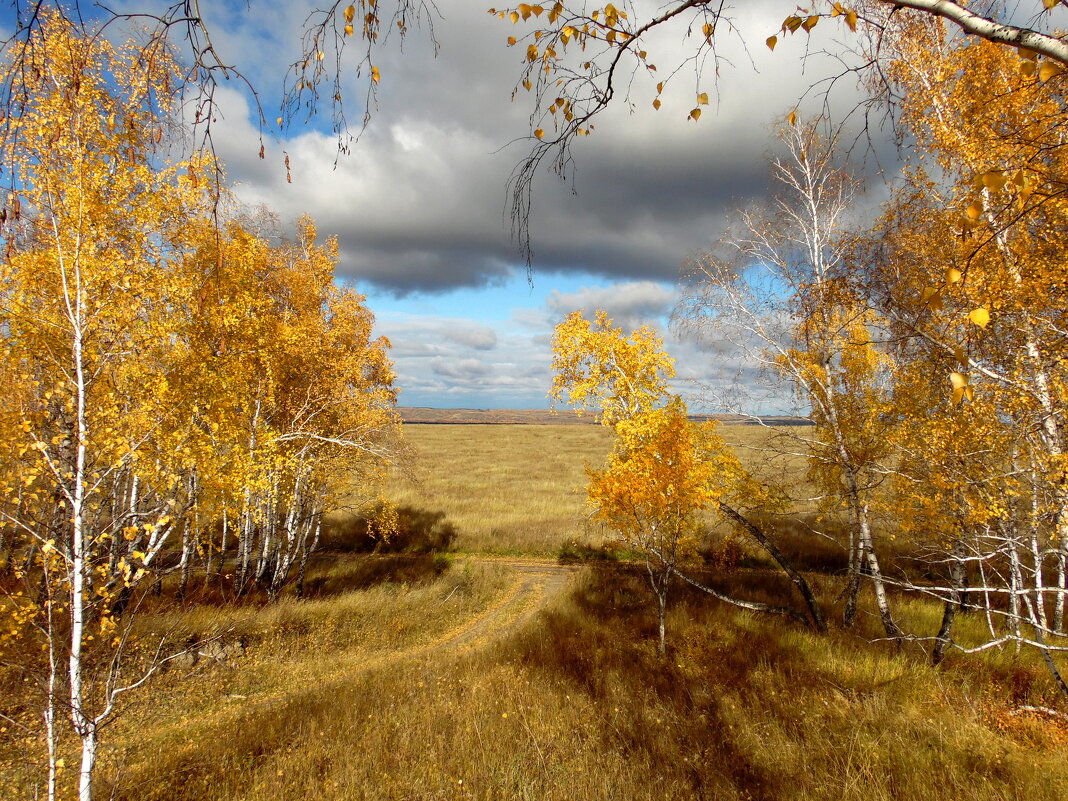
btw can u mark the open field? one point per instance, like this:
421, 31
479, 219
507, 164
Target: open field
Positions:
521, 489
505, 489
475, 676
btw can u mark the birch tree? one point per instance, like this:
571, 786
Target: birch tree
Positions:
88, 279
294, 396
168, 374
967, 268
664, 472
778, 290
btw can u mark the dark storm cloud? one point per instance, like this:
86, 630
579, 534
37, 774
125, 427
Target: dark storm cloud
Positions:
419, 204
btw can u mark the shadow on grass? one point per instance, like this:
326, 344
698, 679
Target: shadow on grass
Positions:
419, 531
602, 641
576, 552
335, 579
414, 554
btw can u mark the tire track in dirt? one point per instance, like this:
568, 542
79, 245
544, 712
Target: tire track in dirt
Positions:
538, 582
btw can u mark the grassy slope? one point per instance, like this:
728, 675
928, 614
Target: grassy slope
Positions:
345, 701
578, 705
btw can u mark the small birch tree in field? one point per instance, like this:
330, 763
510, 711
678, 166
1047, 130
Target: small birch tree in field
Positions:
656, 481
652, 490
664, 472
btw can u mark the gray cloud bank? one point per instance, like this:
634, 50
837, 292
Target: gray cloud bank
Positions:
420, 203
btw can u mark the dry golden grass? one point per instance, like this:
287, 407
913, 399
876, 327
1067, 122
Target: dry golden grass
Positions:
578, 705
520, 489
363, 691
506, 489
365, 616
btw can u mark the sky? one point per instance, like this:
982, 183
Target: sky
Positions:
419, 205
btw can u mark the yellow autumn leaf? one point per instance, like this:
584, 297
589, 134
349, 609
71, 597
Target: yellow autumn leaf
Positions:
350, 12
953, 275
695, 114
792, 117
376, 76
851, 20
1048, 69
539, 133
932, 298
994, 179
771, 41
962, 388
656, 103
979, 316
702, 99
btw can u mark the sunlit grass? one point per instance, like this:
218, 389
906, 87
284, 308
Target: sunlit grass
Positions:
506, 489
350, 694
578, 705
521, 488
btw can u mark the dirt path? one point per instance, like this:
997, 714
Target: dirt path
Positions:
535, 583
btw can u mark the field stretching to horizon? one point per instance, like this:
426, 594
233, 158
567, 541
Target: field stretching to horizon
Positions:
521, 489
498, 648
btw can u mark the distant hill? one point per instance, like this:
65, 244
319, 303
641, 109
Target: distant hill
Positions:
426, 415
423, 414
